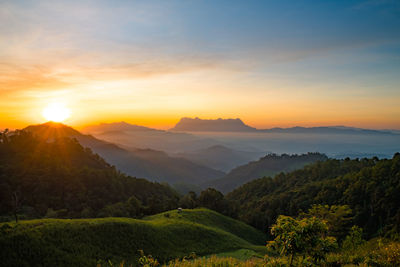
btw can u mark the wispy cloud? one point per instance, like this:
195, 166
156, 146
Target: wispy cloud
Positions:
13, 78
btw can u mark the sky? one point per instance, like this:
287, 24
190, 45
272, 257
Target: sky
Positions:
271, 63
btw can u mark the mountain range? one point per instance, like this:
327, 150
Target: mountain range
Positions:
186, 170
218, 125
220, 157
133, 136
117, 126
146, 163
191, 161
237, 125
224, 144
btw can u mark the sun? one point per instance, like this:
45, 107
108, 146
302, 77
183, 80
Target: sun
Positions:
56, 112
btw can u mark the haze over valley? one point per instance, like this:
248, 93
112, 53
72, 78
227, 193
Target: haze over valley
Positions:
198, 135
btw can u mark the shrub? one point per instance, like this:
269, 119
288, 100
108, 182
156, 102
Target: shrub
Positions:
386, 255
354, 239
306, 237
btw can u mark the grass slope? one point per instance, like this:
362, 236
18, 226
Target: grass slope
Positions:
83, 242
214, 220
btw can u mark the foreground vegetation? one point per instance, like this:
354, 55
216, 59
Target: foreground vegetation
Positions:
198, 237
377, 252
86, 242
307, 240
317, 237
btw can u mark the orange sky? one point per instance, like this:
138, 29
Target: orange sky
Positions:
161, 100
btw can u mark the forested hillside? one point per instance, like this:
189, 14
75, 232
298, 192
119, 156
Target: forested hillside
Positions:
370, 187
60, 178
268, 165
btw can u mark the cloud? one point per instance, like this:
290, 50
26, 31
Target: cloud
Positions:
56, 45
35, 79
14, 78
53, 45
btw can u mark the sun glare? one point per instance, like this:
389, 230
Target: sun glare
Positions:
56, 112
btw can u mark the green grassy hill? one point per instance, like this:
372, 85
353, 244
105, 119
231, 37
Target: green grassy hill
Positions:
83, 242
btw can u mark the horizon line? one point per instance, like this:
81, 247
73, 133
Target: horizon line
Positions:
168, 129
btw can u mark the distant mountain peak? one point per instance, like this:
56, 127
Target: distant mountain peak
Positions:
116, 126
207, 125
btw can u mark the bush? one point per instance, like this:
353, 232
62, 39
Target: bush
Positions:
375, 252
354, 239
386, 255
306, 237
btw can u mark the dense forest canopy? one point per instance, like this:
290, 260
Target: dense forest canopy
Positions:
370, 187
60, 178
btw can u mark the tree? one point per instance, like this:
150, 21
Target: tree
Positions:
17, 203
353, 239
3, 136
212, 199
336, 217
189, 201
306, 237
134, 207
